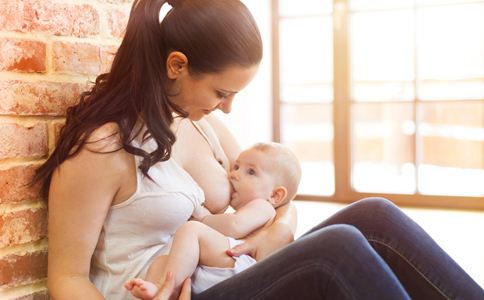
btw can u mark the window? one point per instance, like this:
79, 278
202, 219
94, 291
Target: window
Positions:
383, 98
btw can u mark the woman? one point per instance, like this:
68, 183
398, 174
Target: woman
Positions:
118, 185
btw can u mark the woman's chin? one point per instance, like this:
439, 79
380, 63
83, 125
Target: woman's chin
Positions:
196, 116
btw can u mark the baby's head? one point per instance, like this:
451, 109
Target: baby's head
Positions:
266, 170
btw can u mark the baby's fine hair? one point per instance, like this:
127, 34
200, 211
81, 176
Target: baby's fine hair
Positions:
287, 169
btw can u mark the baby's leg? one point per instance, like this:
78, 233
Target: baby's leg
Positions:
196, 243
147, 289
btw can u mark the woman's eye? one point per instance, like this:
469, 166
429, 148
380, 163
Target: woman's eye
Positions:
251, 171
221, 95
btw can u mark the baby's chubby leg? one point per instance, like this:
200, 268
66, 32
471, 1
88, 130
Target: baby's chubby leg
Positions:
194, 243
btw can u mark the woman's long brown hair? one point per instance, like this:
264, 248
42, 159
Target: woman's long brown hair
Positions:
213, 34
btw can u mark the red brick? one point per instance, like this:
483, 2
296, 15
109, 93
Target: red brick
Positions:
14, 184
22, 55
21, 269
41, 295
116, 1
19, 141
117, 21
57, 129
22, 226
38, 98
52, 17
107, 57
76, 58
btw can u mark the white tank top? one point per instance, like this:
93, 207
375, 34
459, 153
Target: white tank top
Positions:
140, 228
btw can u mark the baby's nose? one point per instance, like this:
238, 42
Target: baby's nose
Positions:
233, 175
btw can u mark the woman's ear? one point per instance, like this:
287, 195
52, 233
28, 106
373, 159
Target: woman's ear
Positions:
176, 64
278, 196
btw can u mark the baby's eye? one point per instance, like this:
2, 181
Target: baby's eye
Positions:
251, 171
236, 167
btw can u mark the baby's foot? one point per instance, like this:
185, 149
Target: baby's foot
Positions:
141, 289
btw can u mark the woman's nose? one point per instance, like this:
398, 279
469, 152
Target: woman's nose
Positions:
226, 105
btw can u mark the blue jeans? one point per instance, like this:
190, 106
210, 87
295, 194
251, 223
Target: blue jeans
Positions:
369, 250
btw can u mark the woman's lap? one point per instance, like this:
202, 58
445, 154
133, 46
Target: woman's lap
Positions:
423, 267
358, 260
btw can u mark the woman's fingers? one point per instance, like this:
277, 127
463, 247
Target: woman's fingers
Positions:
186, 291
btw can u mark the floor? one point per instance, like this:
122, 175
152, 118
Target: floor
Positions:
460, 233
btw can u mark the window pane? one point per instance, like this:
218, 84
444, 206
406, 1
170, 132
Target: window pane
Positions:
451, 139
451, 48
437, 2
307, 93
382, 55
308, 130
378, 4
382, 148
304, 7
383, 91
306, 51
469, 89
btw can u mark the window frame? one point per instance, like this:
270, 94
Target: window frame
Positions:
344, 193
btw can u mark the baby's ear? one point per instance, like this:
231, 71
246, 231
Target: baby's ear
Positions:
278, 196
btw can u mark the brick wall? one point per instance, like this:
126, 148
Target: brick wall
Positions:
49, 51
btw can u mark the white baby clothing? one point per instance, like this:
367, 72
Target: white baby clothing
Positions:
204, 277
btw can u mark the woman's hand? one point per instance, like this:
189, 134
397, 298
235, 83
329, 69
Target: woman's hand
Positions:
165, 292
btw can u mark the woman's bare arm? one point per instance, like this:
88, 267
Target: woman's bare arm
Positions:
270, 238
81, 192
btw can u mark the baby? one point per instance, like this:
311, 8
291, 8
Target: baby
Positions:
264, 177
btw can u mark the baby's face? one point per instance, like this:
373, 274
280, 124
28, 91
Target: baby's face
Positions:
251, 177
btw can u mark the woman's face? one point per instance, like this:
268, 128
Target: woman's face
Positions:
200, 95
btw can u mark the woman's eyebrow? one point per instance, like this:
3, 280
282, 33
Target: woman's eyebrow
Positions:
227, 91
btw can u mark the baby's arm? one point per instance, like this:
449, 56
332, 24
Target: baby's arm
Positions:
246, 219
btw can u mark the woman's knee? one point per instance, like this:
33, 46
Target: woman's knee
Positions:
338, 235
374, 204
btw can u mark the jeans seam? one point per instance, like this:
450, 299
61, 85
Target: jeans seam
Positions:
306, 267
411, 264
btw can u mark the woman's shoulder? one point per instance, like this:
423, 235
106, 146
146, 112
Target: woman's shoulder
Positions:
104, 147
105, 138
102, 156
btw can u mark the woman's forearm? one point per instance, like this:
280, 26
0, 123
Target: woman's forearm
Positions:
68, 287
271, 237
287, 215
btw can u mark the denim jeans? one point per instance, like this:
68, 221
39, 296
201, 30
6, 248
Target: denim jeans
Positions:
368, 250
